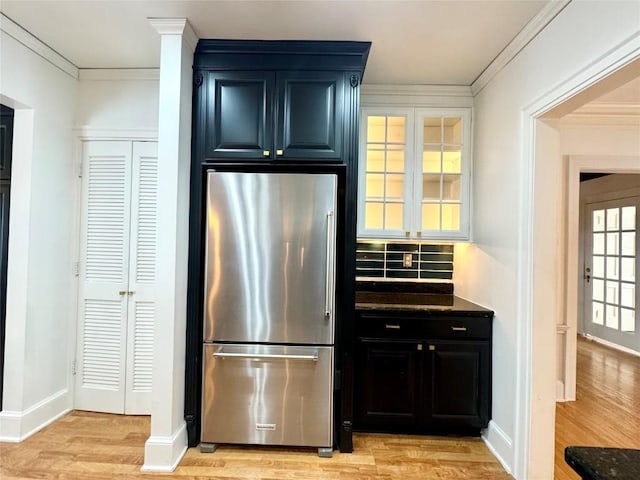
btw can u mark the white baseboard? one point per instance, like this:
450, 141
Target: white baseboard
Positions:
615, 346
163, 454
17, 426
499, 443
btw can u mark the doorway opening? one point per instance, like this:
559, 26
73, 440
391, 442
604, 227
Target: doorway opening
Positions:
590, 141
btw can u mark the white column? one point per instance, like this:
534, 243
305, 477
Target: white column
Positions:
168, 441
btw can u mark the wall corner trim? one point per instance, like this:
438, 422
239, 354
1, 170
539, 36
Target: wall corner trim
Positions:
521, 40
163, 453
21, 35
499, 443
16, 426
117, 74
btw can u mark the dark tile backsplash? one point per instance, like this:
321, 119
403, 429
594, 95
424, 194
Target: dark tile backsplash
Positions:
385, 260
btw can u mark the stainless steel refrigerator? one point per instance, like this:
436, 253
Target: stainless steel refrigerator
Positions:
269, 310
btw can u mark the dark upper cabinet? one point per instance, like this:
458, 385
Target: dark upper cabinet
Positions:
239, 114
302, 118
310, 115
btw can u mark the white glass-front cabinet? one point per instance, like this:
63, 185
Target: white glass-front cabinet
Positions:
414, 173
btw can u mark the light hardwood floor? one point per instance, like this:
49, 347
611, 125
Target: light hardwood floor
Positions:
607, 407
92, 446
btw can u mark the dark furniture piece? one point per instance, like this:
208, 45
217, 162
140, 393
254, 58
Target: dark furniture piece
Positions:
423, 364
596, 463
277, 106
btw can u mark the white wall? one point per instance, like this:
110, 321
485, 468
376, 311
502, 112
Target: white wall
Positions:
118, 101
599, 139
39, 302
509, 191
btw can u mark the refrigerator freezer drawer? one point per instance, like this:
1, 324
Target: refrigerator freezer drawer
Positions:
268, 395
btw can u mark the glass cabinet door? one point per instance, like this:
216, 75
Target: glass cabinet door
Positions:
384, 184
414, 173
441, 180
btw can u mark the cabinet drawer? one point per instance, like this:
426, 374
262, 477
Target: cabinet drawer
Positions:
414, 327
460, 327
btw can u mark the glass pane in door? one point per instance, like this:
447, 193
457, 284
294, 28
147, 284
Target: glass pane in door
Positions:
442, 178
384, 175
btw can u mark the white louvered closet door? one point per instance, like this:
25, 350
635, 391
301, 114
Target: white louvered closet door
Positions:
117, 271
142, 274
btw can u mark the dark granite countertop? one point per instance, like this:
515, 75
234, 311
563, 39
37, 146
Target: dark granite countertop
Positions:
599, 463
417, 302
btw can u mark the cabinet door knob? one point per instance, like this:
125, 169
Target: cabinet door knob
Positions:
392, 326
432, 347
122, 292
459, 329
266, 153
279, 152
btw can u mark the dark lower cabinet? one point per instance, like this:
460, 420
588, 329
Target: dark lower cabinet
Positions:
458, 392
422, 384
389, 386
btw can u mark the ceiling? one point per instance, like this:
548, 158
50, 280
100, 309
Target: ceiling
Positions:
414, 42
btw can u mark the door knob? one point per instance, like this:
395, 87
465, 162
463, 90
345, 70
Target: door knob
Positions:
266, 153
279, 152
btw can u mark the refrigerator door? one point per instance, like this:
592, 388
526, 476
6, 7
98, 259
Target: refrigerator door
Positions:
270, 255
267, 395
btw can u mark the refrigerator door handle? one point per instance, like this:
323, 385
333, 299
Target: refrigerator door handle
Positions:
328, 296
261, 356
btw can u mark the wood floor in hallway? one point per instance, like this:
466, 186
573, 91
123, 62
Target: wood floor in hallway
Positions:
92, 446
607, 407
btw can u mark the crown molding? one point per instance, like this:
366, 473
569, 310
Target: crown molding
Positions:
21, 35
416, 95
521, 40
175, 26
115, 74
426, 90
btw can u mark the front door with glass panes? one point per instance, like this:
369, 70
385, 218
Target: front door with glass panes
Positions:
414, 173
611, 293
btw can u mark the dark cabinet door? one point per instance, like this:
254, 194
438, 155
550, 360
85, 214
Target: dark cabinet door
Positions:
310, 115
458, 389
239, 111
388, 386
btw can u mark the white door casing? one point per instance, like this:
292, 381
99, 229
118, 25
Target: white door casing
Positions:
117, 273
